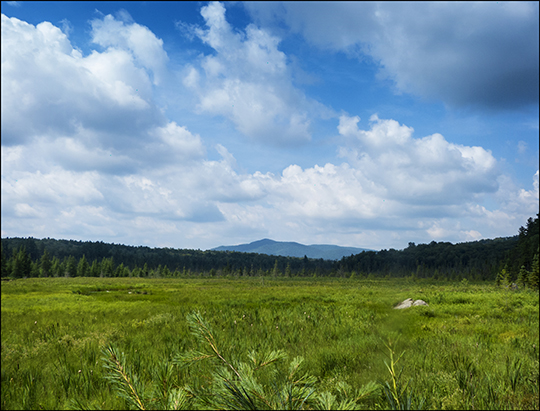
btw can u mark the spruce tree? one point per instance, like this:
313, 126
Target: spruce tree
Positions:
71, 266
503, 277
45, 265
288, 272
276, 272
21, 265
56, 267
83, 267
107, 267
4, 260
533, 277
95, 269
522, 277
34, 269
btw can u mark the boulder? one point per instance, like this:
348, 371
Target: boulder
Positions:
409, 302
405, 304
420, 302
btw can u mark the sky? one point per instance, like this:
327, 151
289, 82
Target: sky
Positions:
195, 124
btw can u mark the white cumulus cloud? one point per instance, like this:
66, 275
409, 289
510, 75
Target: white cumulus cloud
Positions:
50, 89
421, 171
139, 40
248, 81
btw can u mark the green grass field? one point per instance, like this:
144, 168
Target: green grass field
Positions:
474, 347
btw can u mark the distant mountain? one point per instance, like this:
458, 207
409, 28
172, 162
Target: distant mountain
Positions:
292, 249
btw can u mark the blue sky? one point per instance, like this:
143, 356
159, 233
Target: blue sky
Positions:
195, 124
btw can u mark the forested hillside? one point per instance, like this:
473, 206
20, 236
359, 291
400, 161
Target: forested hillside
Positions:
292, 249
478, 259
510, 259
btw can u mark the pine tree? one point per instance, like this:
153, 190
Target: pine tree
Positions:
107, 267
34, 269
121, 271
136, 272
95, 269
71, 266
45, 265
533, 277
276, 272
4, 259
503, 277
166, 272
288, 272
56, 267
83, 267
21, 265
522, 277
144, 272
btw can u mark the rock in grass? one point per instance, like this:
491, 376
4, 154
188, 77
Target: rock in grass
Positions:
409, 302
404, 304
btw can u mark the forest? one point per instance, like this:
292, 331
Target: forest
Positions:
511, 259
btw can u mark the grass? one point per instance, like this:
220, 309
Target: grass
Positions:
474, 346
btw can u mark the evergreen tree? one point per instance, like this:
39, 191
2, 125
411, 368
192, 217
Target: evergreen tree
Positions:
56, 267
95, 269
503, 277
45, 265
83, 267
4, 261
144, 272
107, 267
34, 269
121, 271
522, 279
288, 272
71, 266
276, 272
21, 265
533, 277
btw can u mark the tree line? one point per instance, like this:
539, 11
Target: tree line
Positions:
30, 257
509, 259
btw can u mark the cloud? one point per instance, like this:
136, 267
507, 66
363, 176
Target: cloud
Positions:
248, 81
88, 154
468, 54
51, 189
98, 144
522, 146
514, 206
427, 171
145, 47
518, 201
410, 188
50, 89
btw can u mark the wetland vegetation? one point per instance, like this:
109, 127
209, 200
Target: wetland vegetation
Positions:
474, 346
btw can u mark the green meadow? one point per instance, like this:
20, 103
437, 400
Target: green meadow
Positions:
117, 343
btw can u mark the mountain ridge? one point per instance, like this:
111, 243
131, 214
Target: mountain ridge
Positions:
293, 249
